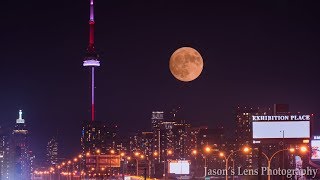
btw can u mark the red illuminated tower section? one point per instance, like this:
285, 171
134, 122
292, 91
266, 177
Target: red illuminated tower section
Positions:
91, 59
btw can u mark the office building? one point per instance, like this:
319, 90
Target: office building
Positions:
20, 157
52, 151
4, 154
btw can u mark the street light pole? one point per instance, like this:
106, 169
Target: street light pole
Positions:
149, 168
137, 166
283, 152
232, 168
227, 160
207, 150
164, 169
270, 159
245, 149
168, 153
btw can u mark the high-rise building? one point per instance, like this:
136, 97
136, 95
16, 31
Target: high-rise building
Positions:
180, 132
156, 119
32, 159
98, 135
243, 131
142, 142
199, 137
20, 158
166, 138
4, 154
93, 136
52, 151
169, 135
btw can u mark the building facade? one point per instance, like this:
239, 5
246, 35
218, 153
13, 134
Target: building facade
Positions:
52, 151
20, 157
96, 135
4, 154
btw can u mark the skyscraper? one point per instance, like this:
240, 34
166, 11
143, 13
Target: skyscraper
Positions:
20, 160
156, 118
52, 151
98, 135
169, 135
4, 154
243, 132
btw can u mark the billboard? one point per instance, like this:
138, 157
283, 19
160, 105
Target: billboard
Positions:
103, 160
273, 127
315, 147
179, 167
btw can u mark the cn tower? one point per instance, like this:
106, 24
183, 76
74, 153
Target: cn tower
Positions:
91, 59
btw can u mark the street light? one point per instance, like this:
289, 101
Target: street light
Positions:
246, 149
69, 162
137, 161
98, 151
194, 152
155, 154
303, 149
112, 152
169, 152
122, 155
221, 154
207, 150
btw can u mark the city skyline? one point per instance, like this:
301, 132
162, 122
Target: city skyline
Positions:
245, 63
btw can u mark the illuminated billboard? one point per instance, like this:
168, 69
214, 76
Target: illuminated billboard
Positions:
103, 160
179, 167
315, 146
273, 127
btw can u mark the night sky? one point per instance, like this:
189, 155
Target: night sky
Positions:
255, 53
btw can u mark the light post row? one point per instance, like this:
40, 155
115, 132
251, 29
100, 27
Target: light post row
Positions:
137, 155
70, 164
246, 150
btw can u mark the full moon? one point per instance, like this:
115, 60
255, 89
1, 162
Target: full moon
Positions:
186, 64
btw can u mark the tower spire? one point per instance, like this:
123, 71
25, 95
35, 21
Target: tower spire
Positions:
20, 120
91, 25
91, 11
20, 114
91, 59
